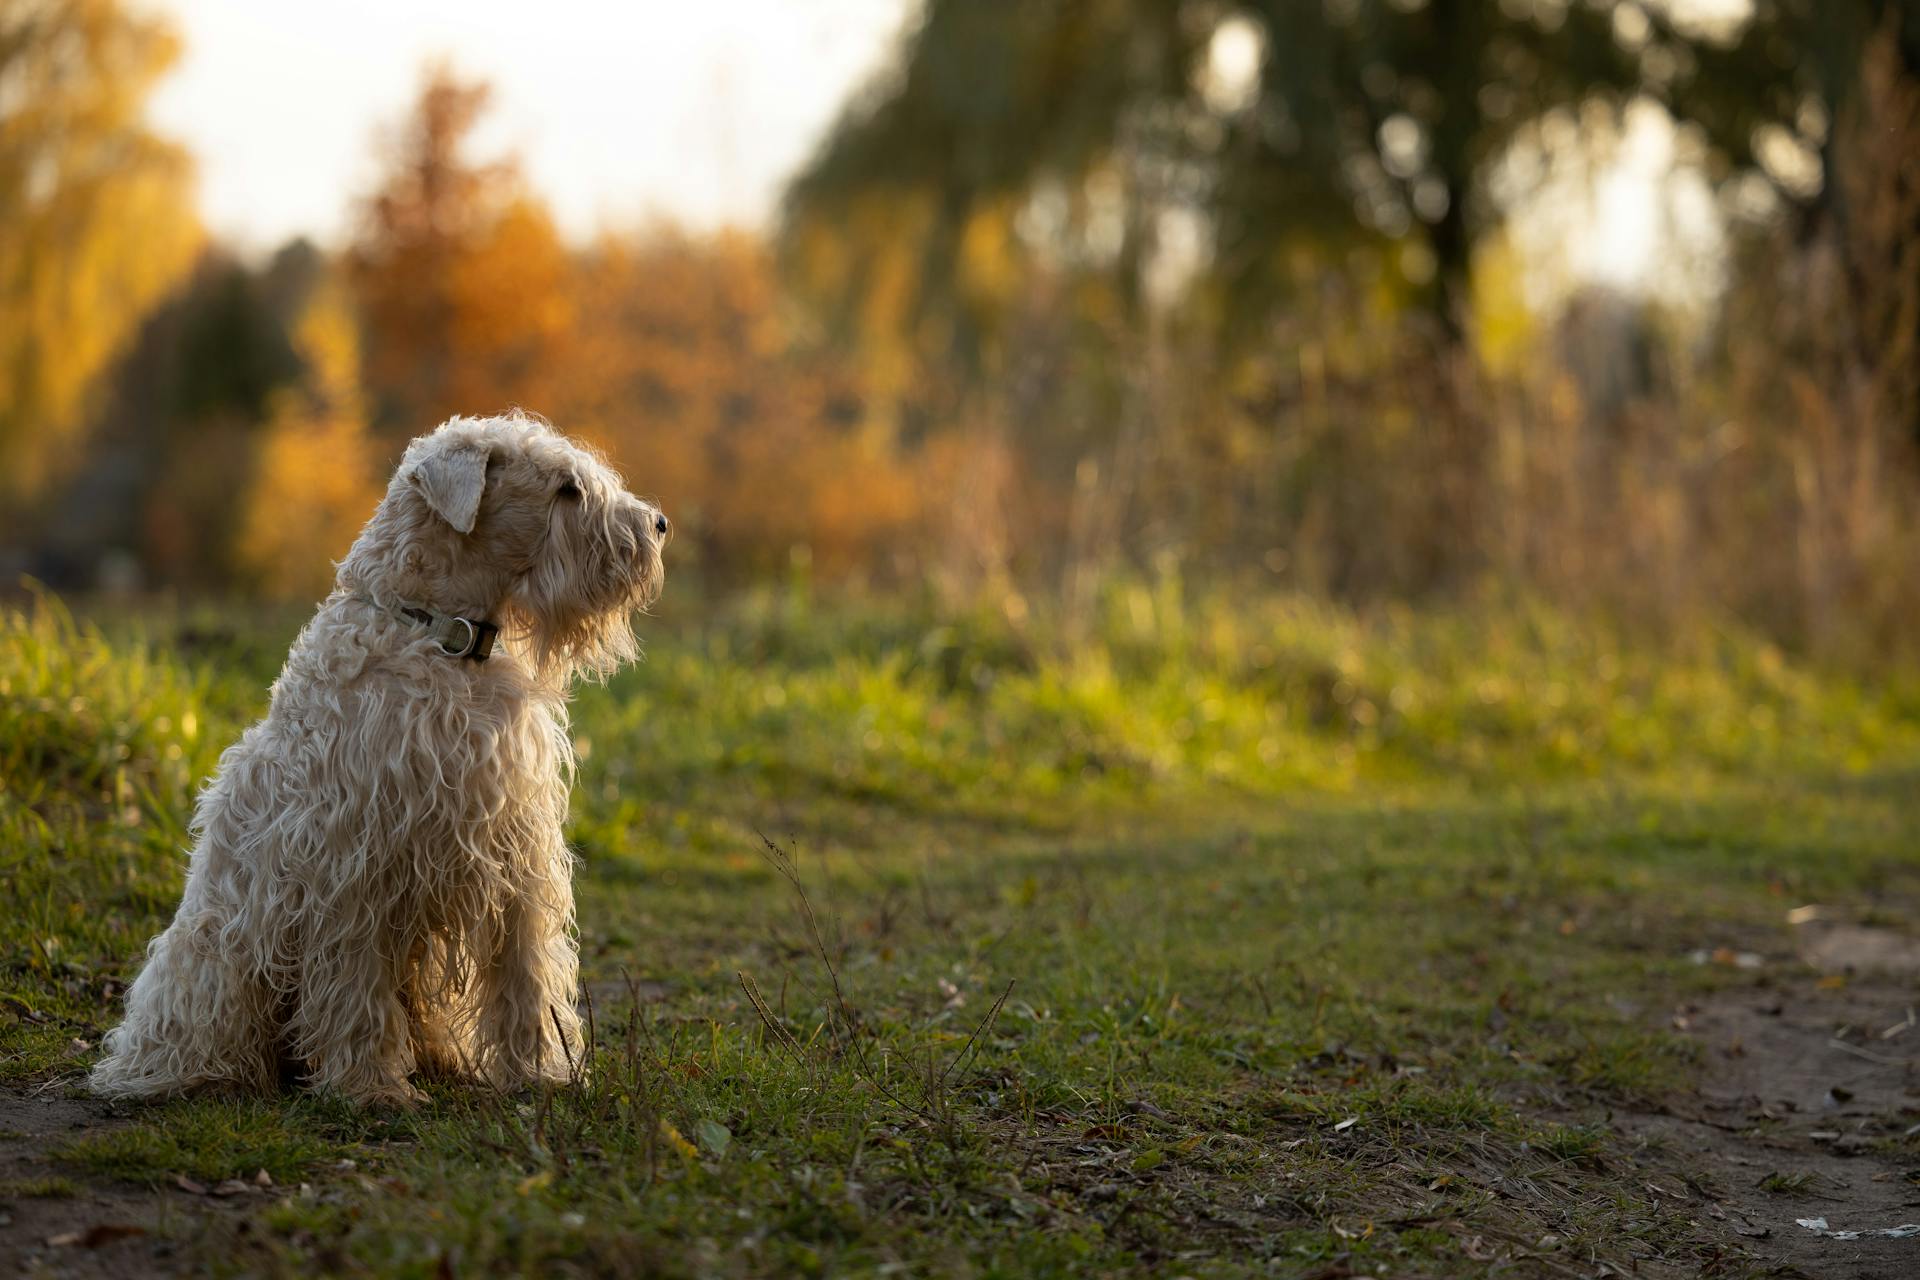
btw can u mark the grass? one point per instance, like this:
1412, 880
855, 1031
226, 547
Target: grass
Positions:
53, 1188
1234, 937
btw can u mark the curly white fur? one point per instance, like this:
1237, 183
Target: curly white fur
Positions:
378, 882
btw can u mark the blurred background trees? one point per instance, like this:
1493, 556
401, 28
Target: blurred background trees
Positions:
1278, 234
462, 281
1288, 295
96, 219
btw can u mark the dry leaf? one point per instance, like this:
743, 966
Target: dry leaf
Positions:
677, 1141
101, 1233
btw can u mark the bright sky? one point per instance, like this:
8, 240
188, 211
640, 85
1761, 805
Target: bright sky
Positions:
693, 109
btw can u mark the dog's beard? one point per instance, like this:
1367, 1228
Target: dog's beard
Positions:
574, 609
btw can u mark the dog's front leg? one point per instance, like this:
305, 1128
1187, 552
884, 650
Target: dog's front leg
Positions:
349, 1024
529, 1028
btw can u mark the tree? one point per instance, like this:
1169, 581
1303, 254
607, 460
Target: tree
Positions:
462, 281
314, 481
1341, 125
96, 222
686, 369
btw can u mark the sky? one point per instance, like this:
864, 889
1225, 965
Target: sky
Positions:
696, 110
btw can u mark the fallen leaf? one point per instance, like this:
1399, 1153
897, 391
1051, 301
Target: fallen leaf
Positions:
714, 1136
1819, 1227
678, 1141
1346, 1124
101, 1233
188, 1185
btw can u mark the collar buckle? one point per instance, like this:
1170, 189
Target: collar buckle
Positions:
444, 633
457, 637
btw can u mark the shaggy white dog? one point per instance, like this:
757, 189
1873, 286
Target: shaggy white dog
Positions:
378, 881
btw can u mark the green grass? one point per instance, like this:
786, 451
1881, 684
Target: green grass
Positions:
52, 1188
1233, 936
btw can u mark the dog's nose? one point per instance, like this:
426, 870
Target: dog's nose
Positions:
660, 524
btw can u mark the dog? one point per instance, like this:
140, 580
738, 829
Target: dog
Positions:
378, 882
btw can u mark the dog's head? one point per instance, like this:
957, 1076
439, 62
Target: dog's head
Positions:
507, 514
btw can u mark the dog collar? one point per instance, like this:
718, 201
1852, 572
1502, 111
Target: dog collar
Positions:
457, 637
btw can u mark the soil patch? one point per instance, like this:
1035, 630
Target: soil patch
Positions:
59, 1224
1808, 1108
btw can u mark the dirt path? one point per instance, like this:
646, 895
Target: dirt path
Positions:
1807, 1108
54, 1224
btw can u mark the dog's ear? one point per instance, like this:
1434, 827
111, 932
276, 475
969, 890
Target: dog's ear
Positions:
452, 480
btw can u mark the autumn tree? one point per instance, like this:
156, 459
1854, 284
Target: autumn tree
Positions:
96, 221
1341, 128
686, 368
315, 475
461, 279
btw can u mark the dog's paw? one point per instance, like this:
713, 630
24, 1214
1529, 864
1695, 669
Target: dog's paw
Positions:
400, 1097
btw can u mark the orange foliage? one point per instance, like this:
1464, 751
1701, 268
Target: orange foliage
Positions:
675, 353
462, 280
685, 368
314, 479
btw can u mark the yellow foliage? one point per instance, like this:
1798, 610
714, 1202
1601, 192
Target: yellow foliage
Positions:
1504, 325
96, 221
315, 480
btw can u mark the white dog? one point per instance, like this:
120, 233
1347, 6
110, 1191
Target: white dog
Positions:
378, 880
